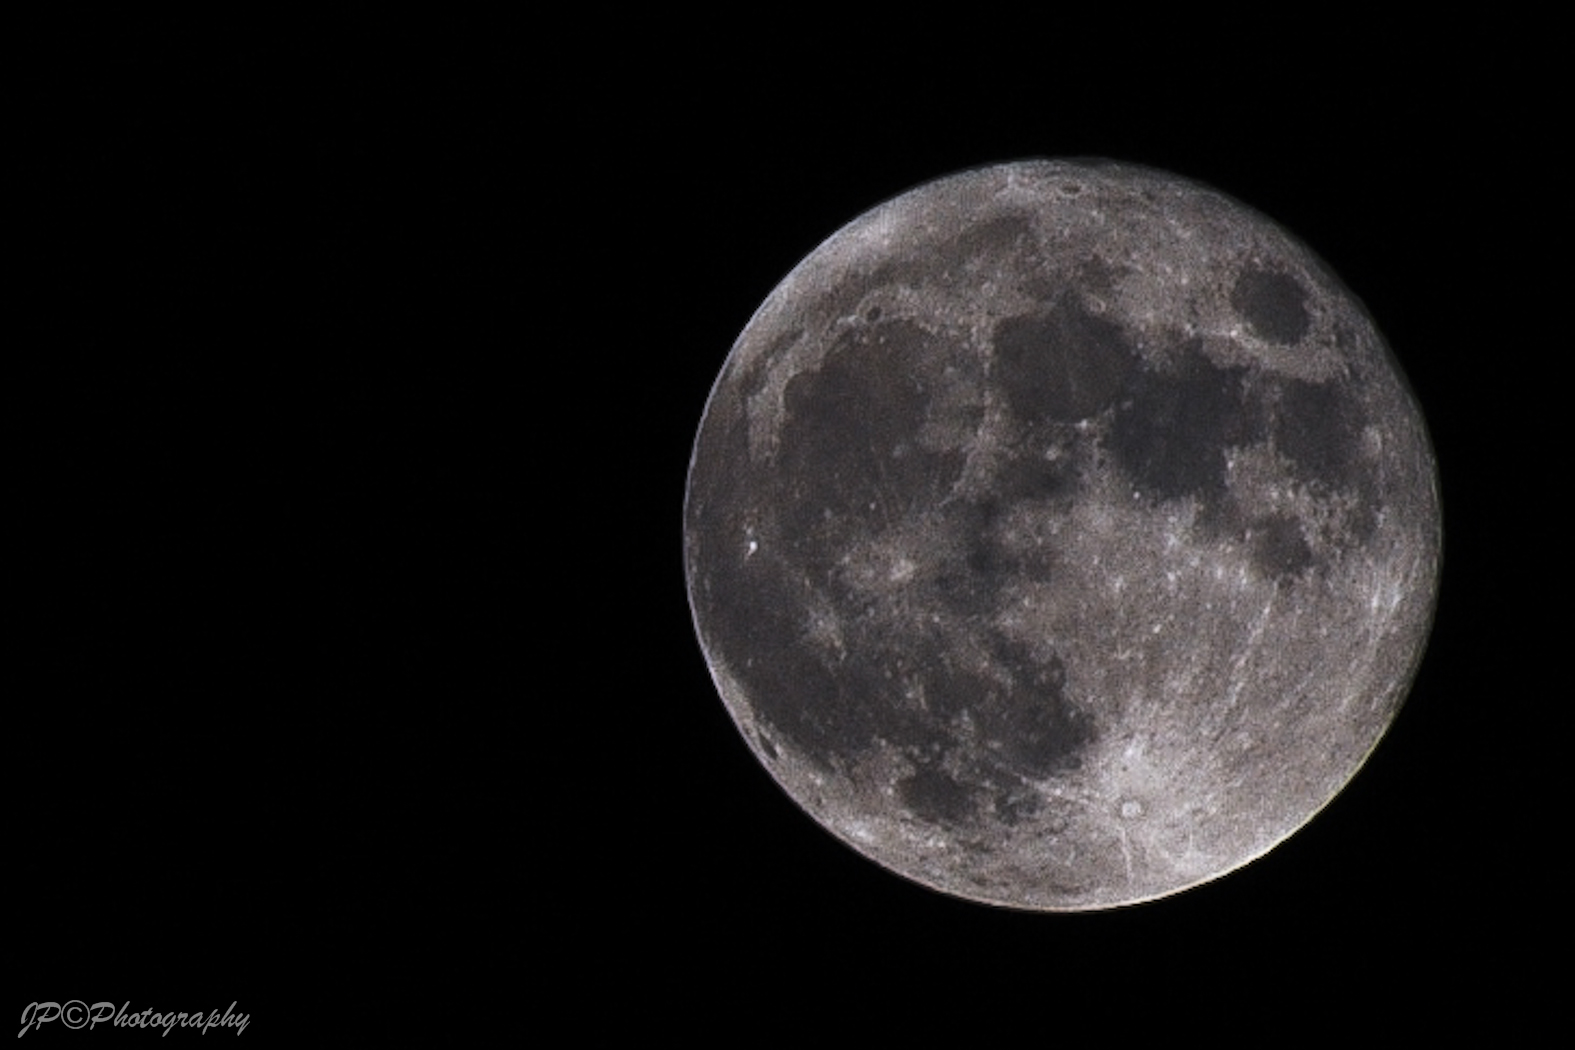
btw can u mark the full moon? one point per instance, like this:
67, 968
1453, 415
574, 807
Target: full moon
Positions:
1061, 535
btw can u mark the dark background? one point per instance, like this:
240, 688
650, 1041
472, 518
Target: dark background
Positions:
355, 668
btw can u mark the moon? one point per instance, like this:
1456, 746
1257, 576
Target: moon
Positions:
1062, 535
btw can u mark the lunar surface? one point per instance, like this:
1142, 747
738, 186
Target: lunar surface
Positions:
1061, 535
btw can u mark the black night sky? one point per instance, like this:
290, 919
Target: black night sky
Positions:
359, 665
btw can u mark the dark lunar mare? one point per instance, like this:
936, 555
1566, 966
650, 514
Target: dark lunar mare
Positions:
1062, 365
849, 458
1273, 304
1318, 428
850, 465
1172, 428
1171, 432
1280, 549
750, 606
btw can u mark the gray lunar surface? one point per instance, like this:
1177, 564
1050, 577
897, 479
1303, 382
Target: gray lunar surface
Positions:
1061, 535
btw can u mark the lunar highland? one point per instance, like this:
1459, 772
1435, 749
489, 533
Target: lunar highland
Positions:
1061, 535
